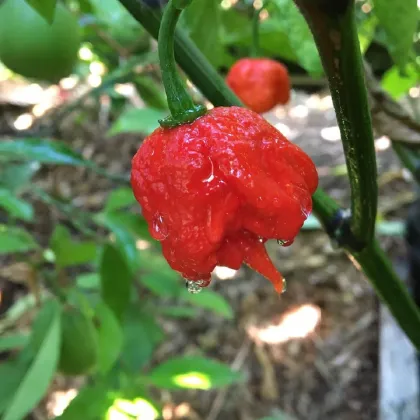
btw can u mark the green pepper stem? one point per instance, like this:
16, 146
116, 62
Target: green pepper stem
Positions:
372, 260
182, 108
333, 26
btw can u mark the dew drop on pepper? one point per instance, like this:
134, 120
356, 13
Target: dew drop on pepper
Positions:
159, 228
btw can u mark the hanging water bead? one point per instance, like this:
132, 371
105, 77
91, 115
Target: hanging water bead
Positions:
284, 285
193, 287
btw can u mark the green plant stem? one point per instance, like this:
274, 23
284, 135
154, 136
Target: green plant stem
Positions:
333, 26
187, 55
183, 110
372, 260
255, 48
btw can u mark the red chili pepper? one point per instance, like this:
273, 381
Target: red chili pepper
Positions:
215, 190
260, 83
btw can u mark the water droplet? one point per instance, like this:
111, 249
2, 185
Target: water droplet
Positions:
284, 285
159, 228
194, 287
283, 242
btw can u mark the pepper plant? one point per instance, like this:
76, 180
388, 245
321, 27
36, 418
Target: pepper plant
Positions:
87, 322
333, 26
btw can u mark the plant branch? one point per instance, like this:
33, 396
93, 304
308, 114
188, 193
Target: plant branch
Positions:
333, 26
372, 260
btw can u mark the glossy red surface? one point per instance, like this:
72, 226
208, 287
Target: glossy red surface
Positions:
215, 190
260, 83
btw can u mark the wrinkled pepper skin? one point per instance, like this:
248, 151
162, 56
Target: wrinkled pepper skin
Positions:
260, 83
214, 191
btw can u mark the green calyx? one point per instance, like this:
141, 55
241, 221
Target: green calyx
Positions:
182, 108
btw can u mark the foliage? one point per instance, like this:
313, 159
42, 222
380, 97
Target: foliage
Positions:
104, 263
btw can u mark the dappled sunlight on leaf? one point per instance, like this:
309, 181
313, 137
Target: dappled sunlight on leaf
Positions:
194, 380
139, 408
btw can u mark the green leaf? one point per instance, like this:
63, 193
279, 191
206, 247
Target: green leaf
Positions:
399, 20
158, 276
15, 176
91, 403
141, 336
119, 198
34, 384
13, 341
398, 84
193, 372
366, 32
15, 206
11, 374
128, 409
122, 225
68, 252
300, 37
137, 120
205, 14
122, 27
273, 39
88, 281
151, 92
15, 239
46, 8
110, 337
115, 280
210, 300
41, 150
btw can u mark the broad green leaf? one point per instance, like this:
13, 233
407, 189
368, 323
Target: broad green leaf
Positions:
34, 384
294, 25
85, 6
236, 29
137, 120
11, 374
46, 8
110, 337
43, 151
205, 14
88, 281
91, 403
141, 336
15, 206
121, 225
398, 84
69, 252
366, 32
15, 239
13, 341
152, 94
119, 198
210, 300
122, 27
399, 20
158, 276
134, 223
16, 176
193, 372
115, 280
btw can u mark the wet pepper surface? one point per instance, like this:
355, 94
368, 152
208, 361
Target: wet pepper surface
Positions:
214, 191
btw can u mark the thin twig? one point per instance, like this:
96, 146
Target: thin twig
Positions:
236, 365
